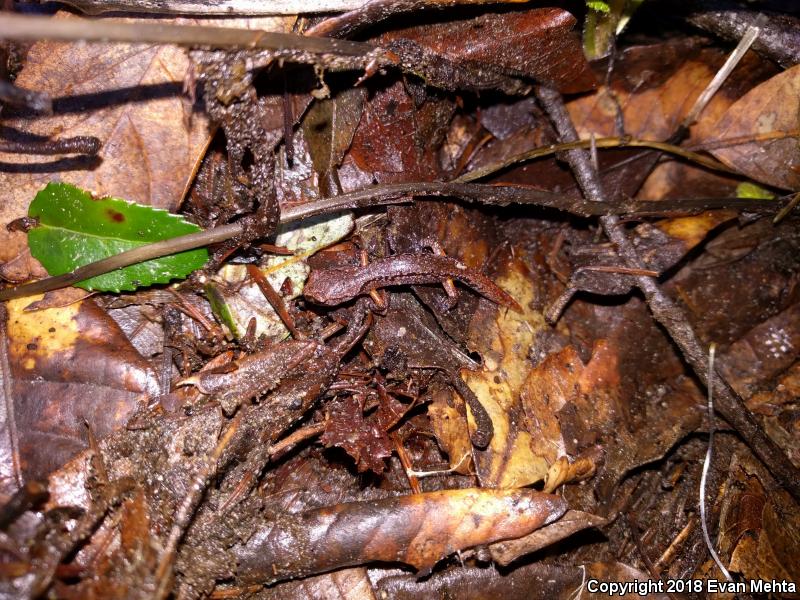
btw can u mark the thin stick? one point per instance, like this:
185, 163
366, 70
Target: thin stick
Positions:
30, 27
790, 206
733, 59
609, 142
707, 465
274, 299
226, 8
75, 145
295, 438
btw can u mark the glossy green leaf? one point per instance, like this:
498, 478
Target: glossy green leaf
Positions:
76, 228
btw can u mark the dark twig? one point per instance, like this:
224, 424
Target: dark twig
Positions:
274, 300
378, 196
89, 145
610, 142
665, 311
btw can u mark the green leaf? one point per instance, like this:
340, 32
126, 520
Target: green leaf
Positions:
76, 229
748, 189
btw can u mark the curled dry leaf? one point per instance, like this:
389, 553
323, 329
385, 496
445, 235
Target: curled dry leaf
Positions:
759, 526
418, 530
506, 552
562, 471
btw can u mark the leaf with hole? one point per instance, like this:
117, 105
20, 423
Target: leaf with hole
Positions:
76, 228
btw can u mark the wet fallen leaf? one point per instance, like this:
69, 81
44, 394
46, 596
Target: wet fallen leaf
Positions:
395, 140
362, 438
329, 126
494, 42
759, 530
504, 339
536, 581
70, 365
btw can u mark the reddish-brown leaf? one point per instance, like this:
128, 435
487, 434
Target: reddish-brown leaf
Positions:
418, 530
71, 366
538, 44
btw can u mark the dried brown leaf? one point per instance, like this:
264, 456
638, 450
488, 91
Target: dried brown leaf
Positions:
759, 529
770, 107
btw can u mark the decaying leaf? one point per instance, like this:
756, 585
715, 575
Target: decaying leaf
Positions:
329, 126
770, 107
534, 581
70, 366
536, 44
510, 460
362, 438
417, 530
759, 530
